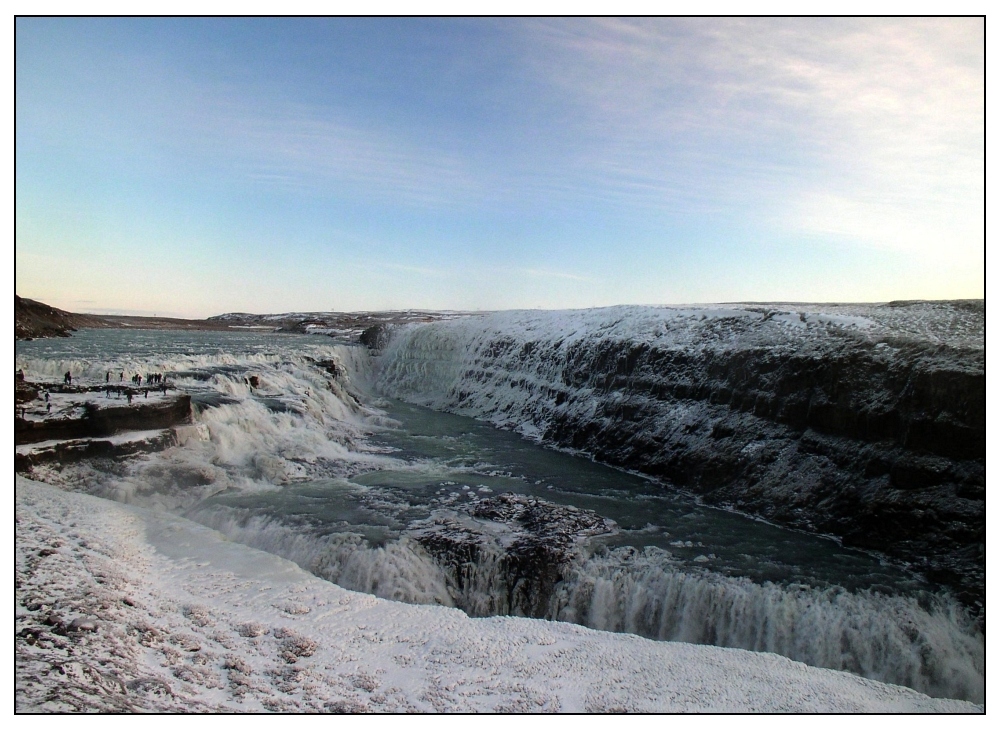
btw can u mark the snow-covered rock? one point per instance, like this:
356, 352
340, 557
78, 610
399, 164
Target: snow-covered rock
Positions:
861, 421
122, 609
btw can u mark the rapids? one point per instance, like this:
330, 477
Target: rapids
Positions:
317, 465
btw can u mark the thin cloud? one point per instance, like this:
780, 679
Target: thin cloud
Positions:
548, 274
383, 266
680, 114
308, 146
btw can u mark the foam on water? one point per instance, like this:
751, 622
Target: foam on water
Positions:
400, 570
925, 642
304, 424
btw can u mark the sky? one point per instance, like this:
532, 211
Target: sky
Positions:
191, 167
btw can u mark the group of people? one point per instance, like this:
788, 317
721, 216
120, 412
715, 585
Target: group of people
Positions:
120, 390
154, 378
157, 379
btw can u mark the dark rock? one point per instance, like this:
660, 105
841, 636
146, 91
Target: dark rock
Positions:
538, 544
878, 439
83, 624
24, 392
333, 367
70, 450
98, 421
376, 337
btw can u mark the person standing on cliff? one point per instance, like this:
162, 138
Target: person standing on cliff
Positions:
129, 396
67, 378
107, 378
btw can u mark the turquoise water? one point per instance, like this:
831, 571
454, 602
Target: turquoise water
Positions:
321, 470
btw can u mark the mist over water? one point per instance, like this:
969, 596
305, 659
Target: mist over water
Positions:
317, 468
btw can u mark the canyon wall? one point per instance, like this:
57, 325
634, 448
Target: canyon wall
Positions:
865, 422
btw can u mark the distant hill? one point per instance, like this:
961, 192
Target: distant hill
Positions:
33, 319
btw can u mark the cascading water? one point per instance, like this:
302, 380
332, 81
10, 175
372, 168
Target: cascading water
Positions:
402, 502
931, 647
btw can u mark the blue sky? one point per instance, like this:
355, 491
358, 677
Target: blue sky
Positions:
195, 167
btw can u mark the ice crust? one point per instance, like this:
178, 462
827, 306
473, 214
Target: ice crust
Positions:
120, 608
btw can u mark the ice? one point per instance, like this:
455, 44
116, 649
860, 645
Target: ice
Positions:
309, 425
169, 616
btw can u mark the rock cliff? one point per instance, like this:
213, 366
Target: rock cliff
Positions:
864, 422
92, 420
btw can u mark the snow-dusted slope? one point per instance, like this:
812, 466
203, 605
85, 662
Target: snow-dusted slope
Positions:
863, 421
119, 608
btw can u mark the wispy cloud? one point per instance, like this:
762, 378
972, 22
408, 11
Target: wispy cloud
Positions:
426, 158
311, 147
159, 117
383, 266
547, 274
801, 116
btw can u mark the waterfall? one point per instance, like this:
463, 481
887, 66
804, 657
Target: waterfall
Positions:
925, 642
312, 413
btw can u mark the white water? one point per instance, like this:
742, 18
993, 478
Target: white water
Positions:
932, 647
513, 368
400, 570
301, 425
890, 638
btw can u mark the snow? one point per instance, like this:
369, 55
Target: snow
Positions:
959, 324
121, 608
117, 439
74, 405
510, 367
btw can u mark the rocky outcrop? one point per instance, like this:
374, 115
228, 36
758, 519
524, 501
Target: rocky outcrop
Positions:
65, 452
376, 337
33, 319
868, 423
92, 421
888, 454
24, 392
506, 555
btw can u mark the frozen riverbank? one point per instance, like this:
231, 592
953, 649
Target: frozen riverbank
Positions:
119, 608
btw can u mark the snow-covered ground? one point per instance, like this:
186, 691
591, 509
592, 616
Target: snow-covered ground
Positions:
117, 439
120, 608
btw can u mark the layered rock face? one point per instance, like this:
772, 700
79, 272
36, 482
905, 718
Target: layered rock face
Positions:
84, 425
864, 422
94, 420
